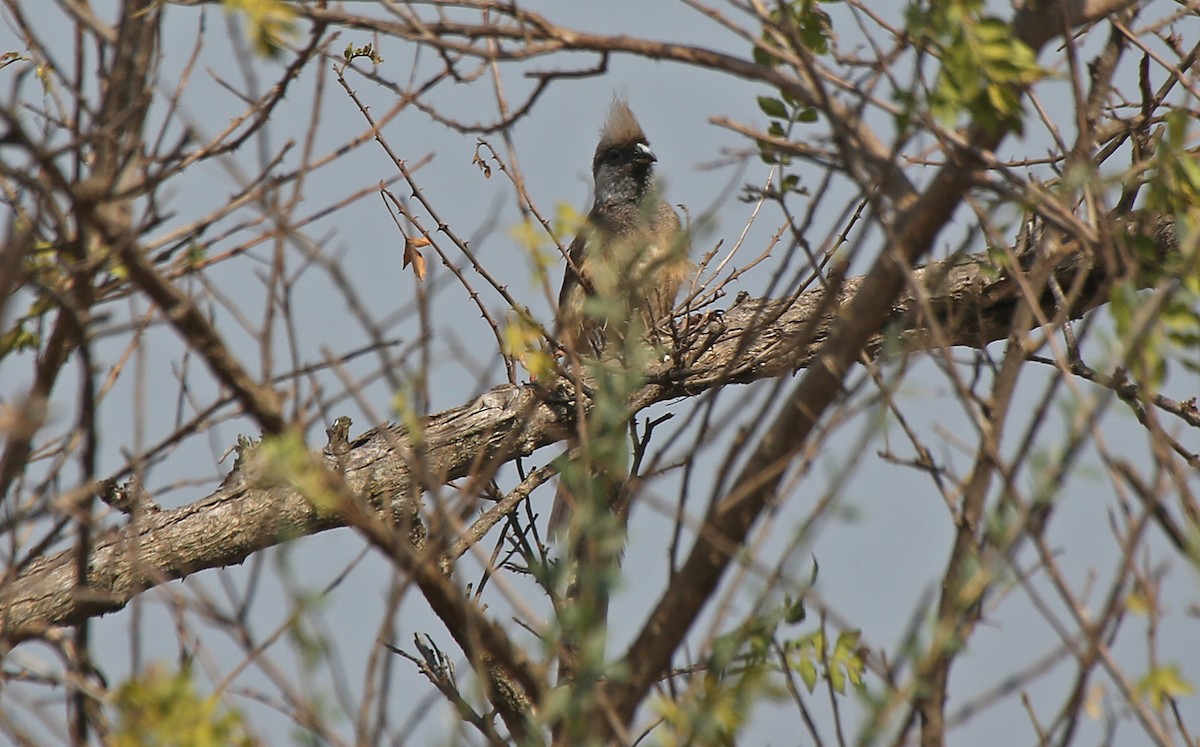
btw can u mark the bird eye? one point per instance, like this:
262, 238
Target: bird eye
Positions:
612, 155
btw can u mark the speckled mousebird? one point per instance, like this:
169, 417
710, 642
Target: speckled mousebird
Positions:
632, 248
632, 253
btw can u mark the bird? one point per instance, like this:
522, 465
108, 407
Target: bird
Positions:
627, 263
632, 252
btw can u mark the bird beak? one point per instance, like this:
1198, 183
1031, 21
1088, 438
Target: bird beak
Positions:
644, 154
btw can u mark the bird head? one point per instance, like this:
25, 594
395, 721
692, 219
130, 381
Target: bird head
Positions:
623, 162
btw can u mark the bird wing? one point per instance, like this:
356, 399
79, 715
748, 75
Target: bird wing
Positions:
571, 279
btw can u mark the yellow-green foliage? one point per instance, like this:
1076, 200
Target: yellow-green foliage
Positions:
1162, 684
270, 24
1152, 336
1175, 184
983, 66
531, 237
523, 342
159, 708
743, 670
285, 459
802, 23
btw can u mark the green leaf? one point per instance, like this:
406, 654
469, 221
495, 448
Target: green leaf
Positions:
18, 339
794, 611
195, 255
772, 107
523, 343
983, 65
846, 662
837, 680
271, 24
807, 670
1164, 683
764, 58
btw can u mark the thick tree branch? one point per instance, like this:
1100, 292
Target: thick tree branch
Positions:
754, 339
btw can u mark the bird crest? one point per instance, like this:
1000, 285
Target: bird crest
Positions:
621, 126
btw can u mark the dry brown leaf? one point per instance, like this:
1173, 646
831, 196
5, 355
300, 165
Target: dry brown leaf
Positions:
413, 256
